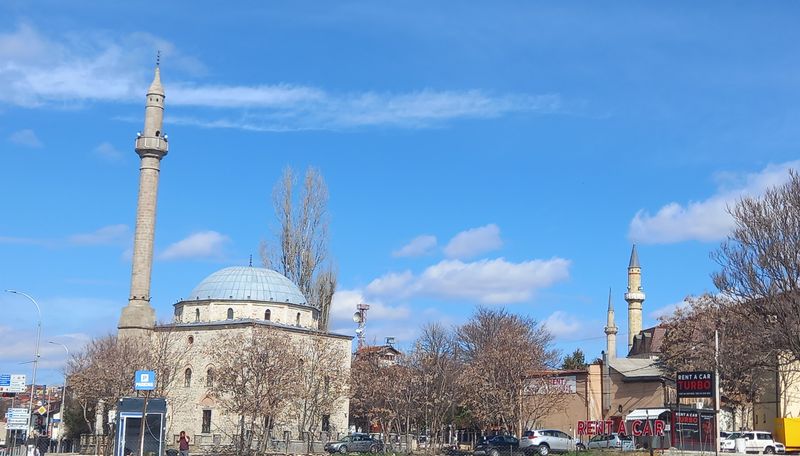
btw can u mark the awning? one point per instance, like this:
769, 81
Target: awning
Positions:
643, 414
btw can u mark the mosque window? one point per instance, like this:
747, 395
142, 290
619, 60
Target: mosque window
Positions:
267, 314
187, 377
196, 314
297, 319
230, 313
210, 377
206, 422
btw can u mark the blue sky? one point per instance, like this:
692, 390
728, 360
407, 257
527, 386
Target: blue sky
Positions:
503, 154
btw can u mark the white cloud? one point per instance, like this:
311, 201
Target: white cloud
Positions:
344, 306
393, 283
108, 152
486, 281
473, 242
561, 325
706, 220
205, 244
418, 246
39, 70
112, 234
25, 138
668, 310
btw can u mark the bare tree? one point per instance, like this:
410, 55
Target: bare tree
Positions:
542, 396
321, 383
500, 351
301, 250
689, 345
435, 361
760, 264
255, 373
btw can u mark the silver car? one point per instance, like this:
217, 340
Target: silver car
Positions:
614, 440
355, 443
546, 441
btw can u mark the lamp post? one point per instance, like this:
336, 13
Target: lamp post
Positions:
35, 360
63, 399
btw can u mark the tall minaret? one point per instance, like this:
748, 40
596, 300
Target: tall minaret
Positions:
611, 330
138, 317
634, 296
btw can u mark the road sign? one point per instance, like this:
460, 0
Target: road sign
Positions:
144, 381
12, 383
17, 418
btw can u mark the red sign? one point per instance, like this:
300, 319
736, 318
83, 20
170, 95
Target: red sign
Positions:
636, 427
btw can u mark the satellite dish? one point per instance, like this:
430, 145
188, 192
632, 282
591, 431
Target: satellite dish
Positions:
357, 317
359, 330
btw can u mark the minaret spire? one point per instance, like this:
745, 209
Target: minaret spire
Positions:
635, 297
138, 317
611, 330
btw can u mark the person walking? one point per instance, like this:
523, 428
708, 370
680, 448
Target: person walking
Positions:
183, 444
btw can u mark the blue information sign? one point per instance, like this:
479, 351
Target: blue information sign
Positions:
144, 381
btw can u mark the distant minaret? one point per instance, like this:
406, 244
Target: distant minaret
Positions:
635, 297
138, 317
611, 330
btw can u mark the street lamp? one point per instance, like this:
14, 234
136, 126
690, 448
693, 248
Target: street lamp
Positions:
63, 399
35, 360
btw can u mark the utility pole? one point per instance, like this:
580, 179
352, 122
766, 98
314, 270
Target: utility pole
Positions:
29, 434
716, 392
63, 400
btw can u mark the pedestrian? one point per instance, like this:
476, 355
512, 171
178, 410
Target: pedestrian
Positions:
42, 445
183, 444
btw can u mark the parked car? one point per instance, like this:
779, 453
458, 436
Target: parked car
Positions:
760, 442
614, 441
729, 442
498, 445
355, 443
546, 441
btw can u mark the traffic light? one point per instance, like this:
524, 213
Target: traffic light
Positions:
40, 424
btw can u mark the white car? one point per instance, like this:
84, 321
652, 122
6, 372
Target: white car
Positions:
546, 441
755, 442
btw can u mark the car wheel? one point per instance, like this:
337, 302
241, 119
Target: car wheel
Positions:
343, 449
494, 453
544, 449
769, 450
580, 447
373, 449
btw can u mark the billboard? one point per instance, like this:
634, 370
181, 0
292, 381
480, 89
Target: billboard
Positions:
695, 384
553, 385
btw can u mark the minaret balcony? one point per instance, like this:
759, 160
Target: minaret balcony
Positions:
152, 143
634, 296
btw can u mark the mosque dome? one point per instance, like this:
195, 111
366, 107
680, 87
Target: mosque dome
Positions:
247, 283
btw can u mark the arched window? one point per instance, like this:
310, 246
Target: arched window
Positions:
196, 314
230, 313
267, 314
210, 377
297, 320
187, 377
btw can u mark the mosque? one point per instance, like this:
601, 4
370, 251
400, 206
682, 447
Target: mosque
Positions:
232, 300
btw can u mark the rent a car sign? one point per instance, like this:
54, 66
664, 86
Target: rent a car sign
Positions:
695, 384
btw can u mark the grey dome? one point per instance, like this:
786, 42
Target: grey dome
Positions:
246, 283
